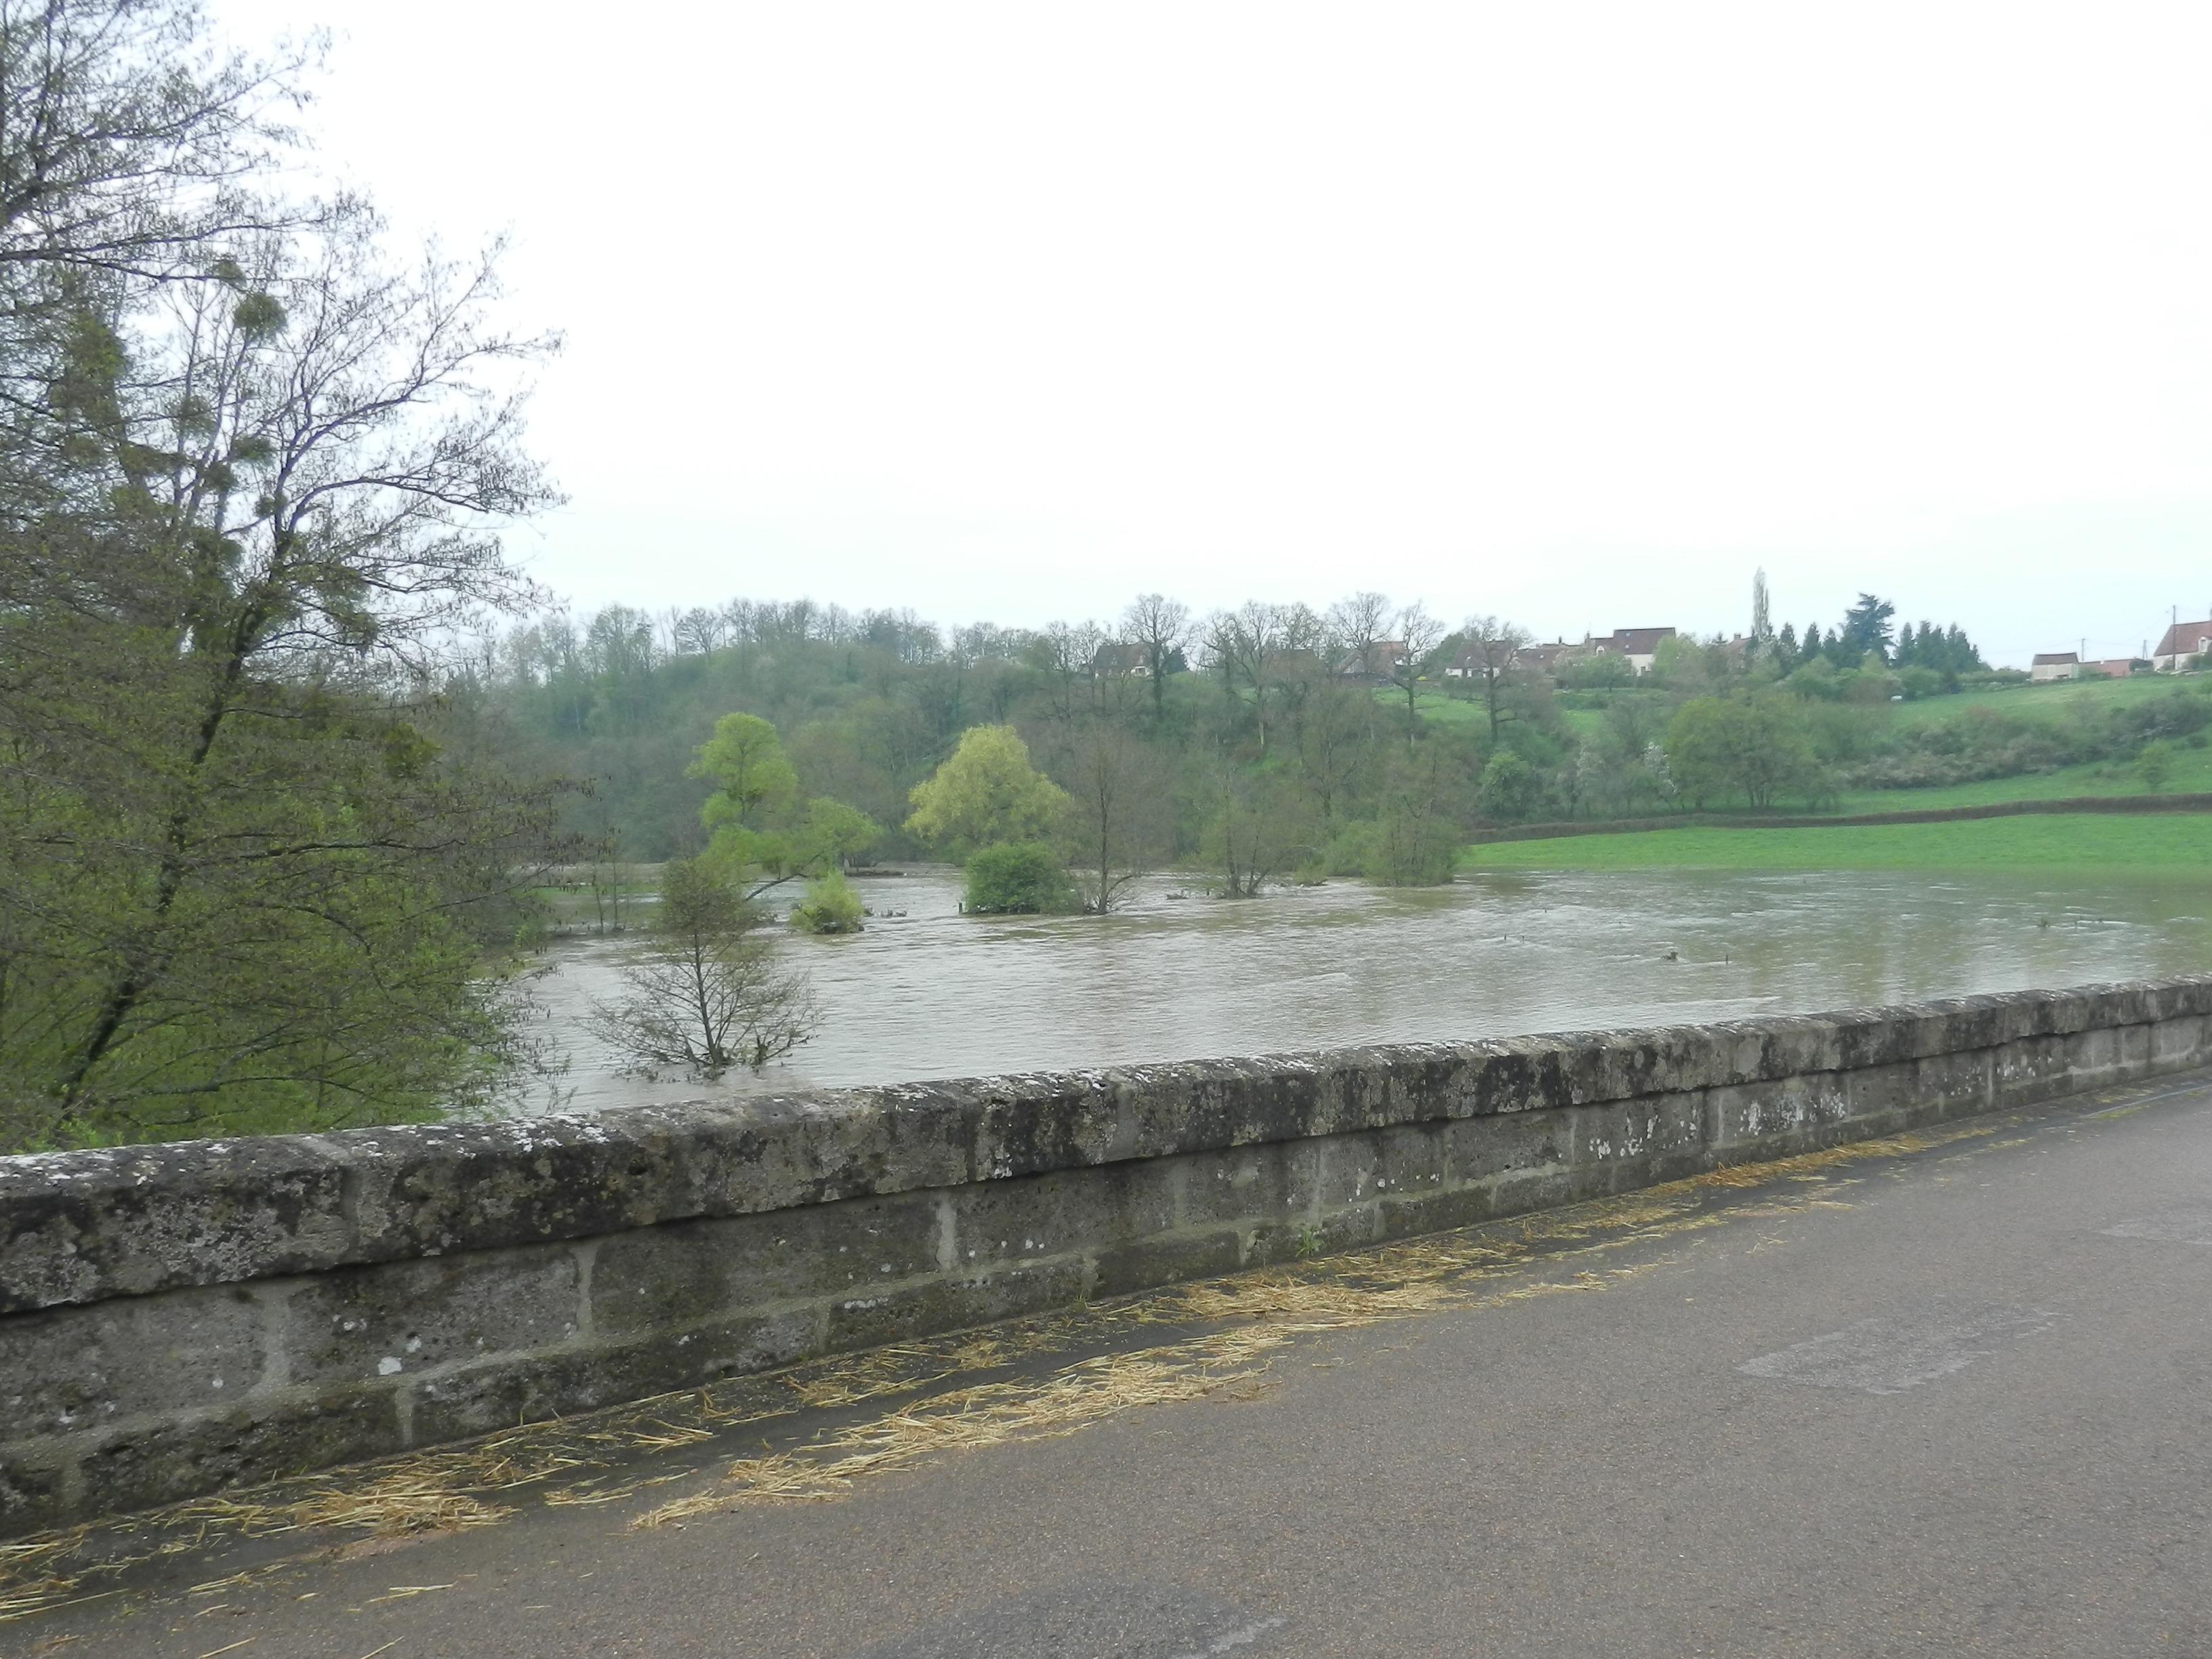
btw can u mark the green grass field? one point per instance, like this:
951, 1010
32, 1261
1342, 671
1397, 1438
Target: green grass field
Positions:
2052, 700
2081, 842
2191, 771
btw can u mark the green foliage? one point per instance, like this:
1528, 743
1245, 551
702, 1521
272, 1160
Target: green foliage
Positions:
2163, 842
758, 830
987, 793
830, 907
1749, 748
2154, 765
1017, 878
1509, 789
752, 773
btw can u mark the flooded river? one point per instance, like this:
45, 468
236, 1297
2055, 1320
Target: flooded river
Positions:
931, 994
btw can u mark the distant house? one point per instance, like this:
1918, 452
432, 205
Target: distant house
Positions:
2054, 665
2117, 668
2182, 641
1640, 645
1115, 660
1379, 662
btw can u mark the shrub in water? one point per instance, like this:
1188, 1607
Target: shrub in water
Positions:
1017, 878
830, 907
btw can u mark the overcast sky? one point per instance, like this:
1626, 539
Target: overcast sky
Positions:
1573, 312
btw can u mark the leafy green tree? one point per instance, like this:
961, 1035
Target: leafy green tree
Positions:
1753, 747
760, 832
1509, 788
252, 479
1022, 877
2154, 765
987, 793
708, 993
752, 775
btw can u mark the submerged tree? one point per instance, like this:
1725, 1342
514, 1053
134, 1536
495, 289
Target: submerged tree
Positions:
1116, 825
708, 993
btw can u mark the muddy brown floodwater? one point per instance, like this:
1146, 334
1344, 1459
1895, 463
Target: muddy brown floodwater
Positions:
930, 994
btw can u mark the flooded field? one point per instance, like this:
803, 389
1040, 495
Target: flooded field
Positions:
929, 993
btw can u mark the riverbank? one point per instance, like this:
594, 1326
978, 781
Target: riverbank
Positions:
2081, 841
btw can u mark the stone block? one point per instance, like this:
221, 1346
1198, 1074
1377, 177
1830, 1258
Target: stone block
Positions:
148, 1463
357, 1324
1169, 1259
1759, 1114
2179, 1041
1517, 1192
687, 1272
995, 1222
1873, 1090
70, 1369
1486, 1149
473, 1399
1356, 1167
1950, 1085
1437, 1212
2031, 1069
952, 1302
34, 1487
131, 1220
1640, 1141
1248, 1185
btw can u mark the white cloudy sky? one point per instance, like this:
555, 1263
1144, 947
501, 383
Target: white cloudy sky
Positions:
1573, 311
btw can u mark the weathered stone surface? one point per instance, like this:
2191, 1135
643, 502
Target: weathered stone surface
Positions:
1169, 1259
997, 1222
70, 1370
953, 1303
1483, 1151
357, 1324
84, 1226
528, 1388
151, 1463
656, 1277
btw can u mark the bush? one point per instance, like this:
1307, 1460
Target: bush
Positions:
830, 907
1018, 878
1406, 848
1510, 788
2154, 765
1920, 682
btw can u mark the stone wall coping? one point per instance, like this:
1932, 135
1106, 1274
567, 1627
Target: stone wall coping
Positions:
84, 1226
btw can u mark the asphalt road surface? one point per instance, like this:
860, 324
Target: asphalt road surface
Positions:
1956, 1400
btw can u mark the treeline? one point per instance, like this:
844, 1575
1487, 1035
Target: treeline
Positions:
1265, 742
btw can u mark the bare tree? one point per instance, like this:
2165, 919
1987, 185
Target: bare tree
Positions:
1159, 628
708, 992
1117, 824
1491, 649
1336, 746
1266, 646
1421, 636
1357, 626
1069, 656
1256, 827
